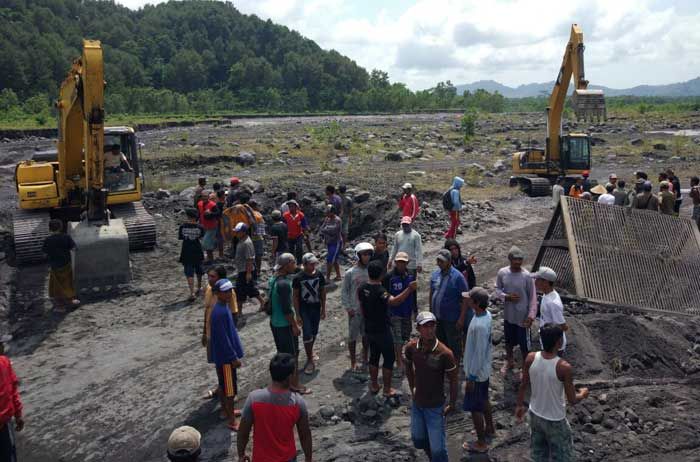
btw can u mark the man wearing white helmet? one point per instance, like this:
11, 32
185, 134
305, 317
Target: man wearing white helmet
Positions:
551, 307
354, 278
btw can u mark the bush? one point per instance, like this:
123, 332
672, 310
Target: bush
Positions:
468, 123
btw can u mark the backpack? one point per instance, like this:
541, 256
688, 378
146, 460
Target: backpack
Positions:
447, 200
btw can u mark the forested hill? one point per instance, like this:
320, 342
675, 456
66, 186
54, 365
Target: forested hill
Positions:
205, 48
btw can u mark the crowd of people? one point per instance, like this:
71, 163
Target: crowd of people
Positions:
667, 201
447, 340
397, 338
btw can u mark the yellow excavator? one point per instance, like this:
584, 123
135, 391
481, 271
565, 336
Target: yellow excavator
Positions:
568, 155
92, 182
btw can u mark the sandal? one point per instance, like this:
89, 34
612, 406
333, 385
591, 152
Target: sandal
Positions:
302, 391
471, 447
210, 394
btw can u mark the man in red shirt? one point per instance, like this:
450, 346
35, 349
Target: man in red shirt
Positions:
209, 219
10, 405
272, 413
296, 227
409, 202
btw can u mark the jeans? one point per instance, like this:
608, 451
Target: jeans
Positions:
550, 440
428, 431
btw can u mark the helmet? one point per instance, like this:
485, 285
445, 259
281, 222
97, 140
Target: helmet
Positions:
363, 247
585, 173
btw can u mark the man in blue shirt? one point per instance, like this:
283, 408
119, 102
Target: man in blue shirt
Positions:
446, 302
226, 349
477, 369
395, 283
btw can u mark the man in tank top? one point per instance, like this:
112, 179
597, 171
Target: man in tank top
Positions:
551, 380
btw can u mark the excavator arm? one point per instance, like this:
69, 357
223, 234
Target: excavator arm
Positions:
587, 104
81, 133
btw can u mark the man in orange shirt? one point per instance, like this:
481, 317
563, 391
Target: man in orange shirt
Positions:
576, 190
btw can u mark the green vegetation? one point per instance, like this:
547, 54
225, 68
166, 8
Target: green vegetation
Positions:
468, 124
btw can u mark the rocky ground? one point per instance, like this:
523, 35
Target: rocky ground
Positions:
110, 380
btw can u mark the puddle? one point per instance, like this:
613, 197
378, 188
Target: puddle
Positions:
684, 132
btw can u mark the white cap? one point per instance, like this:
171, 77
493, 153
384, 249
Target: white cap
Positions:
407, 186
184, 440
546, 273
425, 317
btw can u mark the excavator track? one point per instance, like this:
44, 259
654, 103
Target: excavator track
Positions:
140, 224
30, 228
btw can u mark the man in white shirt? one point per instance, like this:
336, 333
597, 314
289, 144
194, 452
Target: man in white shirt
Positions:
551, 307
557, 191
608, 198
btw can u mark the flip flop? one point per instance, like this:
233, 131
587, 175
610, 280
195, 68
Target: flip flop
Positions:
302, 391
471, 447
210, 394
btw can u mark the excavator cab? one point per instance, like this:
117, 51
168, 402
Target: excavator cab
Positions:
121, 160
575, 152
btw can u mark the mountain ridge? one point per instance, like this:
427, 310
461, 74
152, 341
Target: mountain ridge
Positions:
679, 89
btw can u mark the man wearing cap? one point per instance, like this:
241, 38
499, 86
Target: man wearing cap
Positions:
296, 227
612, 179
331, 231
477, 370
408, 203
244, 261
428, 361
516, 289
191, 253
586, 181
184, 445
272, 413
607, 198
309, 288
278, 233
446, 287
226, 348
199, 189
283, 322
551, 307
408, 240
667, 200
233, 192
396, 282
645, 200
353, 279
10, 405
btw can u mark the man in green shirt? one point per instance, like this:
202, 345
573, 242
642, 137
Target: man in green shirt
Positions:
284, 322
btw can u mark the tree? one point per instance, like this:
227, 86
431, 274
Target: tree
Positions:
186, 72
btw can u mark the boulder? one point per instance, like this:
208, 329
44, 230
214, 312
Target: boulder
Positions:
164, 194
636, 142
327, 412
362, 196
499, 166
476, 166
659, 146
397, 156
244, 158
252, 186
188, 193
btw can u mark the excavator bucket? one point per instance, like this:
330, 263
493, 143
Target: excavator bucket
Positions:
101, 256
589, 105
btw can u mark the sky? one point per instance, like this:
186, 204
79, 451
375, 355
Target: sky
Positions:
422, 42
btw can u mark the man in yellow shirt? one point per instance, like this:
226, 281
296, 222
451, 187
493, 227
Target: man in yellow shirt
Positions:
213, 275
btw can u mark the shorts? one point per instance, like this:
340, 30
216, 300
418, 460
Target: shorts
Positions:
285, 340
209, 240
381, 345
333, 251
356, 327
228, 380
245, 289
259, 246
400, 330
192, 269
516, 335
550, 438
311, 318
476, 400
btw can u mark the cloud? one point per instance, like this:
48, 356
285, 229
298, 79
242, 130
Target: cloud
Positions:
628, 42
